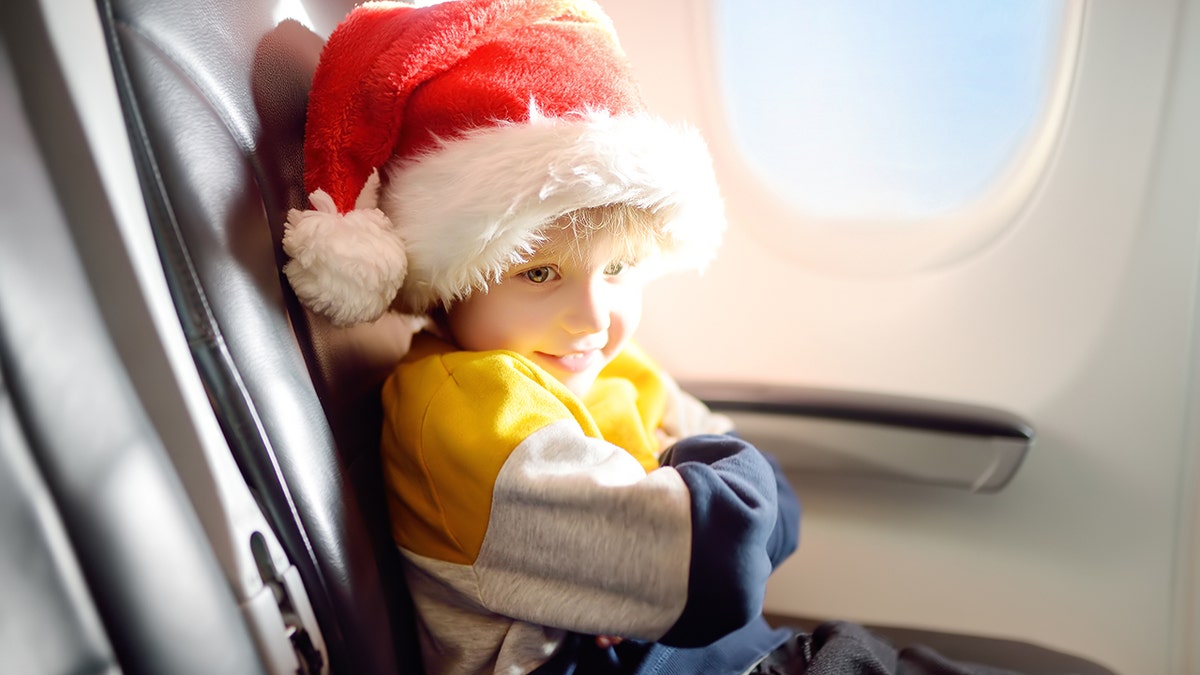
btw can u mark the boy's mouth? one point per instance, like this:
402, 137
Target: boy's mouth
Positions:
574, 362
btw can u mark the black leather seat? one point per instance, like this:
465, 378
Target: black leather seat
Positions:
103, 564
215, 94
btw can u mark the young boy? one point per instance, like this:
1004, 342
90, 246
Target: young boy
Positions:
548, 483
546, 479
523, 446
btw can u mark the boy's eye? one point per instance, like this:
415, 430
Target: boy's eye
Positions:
615, 267
539, 275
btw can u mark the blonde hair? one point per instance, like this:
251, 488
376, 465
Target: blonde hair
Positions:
634, 234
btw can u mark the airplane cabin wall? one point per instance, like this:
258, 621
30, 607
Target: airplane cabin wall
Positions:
1081, 317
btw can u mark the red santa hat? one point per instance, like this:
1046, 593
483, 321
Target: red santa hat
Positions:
484, 120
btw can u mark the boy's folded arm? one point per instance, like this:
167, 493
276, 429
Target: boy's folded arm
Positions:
679, 555
567, 530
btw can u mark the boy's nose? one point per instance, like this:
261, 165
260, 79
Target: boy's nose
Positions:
587, 310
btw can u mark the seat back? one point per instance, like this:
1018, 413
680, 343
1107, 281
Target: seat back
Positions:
104, 566
214, 95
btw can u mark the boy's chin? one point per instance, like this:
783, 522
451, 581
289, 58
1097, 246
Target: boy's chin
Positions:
579, 383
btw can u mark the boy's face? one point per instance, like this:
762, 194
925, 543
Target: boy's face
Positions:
570, 313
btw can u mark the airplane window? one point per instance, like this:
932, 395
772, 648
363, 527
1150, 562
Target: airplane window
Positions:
890, 111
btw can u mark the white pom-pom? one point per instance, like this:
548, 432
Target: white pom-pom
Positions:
347, 266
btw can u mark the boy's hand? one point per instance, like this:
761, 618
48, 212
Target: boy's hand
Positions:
606, 641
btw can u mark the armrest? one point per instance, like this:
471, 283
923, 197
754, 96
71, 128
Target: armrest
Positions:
909, 439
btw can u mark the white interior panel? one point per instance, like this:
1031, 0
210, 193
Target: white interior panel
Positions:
1080, 317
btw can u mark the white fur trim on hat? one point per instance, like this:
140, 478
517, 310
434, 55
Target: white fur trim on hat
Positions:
346, 266
475, 205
